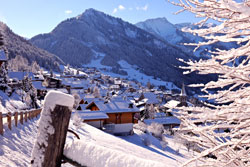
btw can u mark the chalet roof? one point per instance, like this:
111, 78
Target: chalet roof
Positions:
114, 106
164, 120
83, 106
139, 103
171, 104
91, 115
3, 56
152, 98
73, 82
90, 99
38, 85
20, 75
39, 77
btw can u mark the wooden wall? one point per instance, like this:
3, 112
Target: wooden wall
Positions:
120, 118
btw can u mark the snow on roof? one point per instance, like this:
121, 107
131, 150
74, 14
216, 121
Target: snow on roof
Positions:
152, 98
115, 106
91, 115
83, 106
164, 120
142, 108
89, 96
171, 104
38, 85
73, 82
3, 56
39, 76
20, 75
89, 100
139, 103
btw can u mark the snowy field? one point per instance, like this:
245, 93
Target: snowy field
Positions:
95, 148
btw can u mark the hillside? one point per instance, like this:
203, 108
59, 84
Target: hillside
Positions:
94, 35
18, 46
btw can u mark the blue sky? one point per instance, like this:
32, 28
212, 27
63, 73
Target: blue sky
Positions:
31, 17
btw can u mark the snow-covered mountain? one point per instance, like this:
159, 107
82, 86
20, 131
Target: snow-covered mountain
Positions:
173, 33
162, 28
18, 46
96, 36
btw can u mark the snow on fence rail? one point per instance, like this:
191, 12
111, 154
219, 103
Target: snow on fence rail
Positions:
17, 116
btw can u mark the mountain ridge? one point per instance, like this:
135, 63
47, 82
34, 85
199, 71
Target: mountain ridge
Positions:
91, 34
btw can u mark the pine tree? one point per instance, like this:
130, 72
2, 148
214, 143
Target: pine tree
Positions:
30, 90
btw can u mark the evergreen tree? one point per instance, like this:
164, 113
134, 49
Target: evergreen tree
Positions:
30, 90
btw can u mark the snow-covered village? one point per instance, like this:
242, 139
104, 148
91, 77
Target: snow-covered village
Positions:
129, 84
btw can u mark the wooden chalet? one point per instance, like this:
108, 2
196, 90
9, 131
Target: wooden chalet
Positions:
121, 115
52, 82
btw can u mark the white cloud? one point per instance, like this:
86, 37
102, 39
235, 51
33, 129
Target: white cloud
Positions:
68, 11
120, 7
144, 8
115, 10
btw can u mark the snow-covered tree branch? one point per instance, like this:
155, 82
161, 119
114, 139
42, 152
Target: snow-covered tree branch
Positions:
222, 131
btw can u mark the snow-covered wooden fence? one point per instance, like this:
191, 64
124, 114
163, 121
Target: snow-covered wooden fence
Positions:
21, 117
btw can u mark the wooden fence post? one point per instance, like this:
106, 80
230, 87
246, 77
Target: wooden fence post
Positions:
31, 114
53, 152
37, 112
1, 123
28, 115
16, 118
9, 120
21, 117
25, 116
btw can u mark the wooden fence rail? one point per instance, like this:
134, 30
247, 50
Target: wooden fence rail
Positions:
18, 116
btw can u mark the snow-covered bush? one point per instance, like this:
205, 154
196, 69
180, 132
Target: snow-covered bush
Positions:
77, 120
232, 96
77, 100
151, 111
156, 129
141, 126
